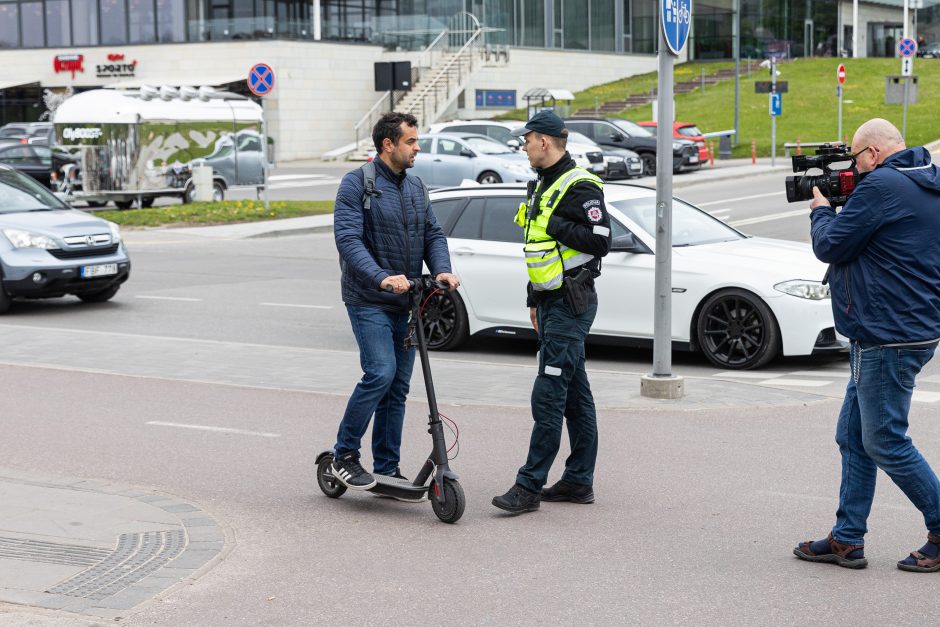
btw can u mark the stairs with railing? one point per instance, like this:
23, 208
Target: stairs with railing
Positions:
442, 72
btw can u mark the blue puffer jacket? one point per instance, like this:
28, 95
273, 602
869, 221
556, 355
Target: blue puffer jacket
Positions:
395, 237
885, 274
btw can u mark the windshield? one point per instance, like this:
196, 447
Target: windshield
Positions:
632, 128
21, 193
690, 226
577, 138
486, 146
689, 131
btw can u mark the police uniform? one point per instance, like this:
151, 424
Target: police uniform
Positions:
567, 231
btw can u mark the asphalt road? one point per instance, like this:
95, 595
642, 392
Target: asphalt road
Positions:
699, 502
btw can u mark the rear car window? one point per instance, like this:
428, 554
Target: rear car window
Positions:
468, 224
444, 210
499, 220
689, 131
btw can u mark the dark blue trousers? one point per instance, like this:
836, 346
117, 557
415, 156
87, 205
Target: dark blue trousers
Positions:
561, 391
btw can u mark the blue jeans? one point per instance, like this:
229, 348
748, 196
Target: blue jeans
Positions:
386, 368
872, 434
561, 391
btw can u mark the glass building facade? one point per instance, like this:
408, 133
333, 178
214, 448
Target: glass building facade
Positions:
768, 27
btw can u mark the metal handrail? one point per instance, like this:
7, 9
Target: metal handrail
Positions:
443, 74
429, 50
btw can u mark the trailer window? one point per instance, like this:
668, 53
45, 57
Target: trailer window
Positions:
249, 143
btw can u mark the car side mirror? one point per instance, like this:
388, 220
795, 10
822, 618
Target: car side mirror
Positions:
466, 152
515, 144
617, 137
626, 244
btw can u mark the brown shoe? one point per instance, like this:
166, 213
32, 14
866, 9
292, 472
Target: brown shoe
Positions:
921, 561
845, 555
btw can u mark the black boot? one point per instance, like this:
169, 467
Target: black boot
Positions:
567, 491
518, 500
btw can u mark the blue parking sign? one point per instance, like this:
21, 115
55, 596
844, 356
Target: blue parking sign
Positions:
776, 104
676, 18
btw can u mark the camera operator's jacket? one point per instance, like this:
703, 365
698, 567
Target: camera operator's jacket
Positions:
394, 236
885, 272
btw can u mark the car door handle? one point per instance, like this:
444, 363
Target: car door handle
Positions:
463, 251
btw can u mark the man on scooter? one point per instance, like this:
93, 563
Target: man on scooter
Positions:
567, 231
384, 230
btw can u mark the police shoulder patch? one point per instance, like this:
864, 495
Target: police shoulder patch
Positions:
593, 209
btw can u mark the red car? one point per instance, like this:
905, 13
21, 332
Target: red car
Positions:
684, 130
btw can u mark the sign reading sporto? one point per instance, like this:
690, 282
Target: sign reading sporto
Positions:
73, 134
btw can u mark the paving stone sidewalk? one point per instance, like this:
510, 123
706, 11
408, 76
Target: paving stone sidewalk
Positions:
95, 549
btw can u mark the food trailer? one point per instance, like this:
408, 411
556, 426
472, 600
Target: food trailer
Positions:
137, 145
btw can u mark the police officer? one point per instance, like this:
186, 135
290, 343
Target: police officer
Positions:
567, 231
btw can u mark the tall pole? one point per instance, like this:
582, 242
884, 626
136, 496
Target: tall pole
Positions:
736, 44
855, 29
662, 310
264, 156
904, 29
773, 118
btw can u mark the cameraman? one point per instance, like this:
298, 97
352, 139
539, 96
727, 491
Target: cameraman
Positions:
885, 286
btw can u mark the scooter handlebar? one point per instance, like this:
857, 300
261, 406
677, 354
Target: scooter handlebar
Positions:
424, 283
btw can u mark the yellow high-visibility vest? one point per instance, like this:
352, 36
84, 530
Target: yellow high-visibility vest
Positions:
547, 259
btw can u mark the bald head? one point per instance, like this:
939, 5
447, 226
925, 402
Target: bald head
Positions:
882, 137
879, 133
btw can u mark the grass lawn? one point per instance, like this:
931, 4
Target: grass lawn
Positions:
208, 213
810, 107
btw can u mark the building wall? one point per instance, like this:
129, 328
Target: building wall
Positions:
322, 89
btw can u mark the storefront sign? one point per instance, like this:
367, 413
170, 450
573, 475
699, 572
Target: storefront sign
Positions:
116, 67
77, 134
69, 63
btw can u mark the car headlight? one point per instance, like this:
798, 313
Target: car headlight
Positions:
115, 232
613, 159
813, 290
677, 145
634, 159
28, 239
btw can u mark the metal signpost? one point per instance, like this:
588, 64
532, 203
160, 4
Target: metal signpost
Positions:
776, 105
840, 75
906, 48
261, 83
675, 18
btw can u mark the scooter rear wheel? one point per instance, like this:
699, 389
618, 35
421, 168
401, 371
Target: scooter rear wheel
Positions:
328, 483
454, 501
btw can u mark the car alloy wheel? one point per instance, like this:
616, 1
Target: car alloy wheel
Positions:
649, 164
737, 330
489, 178
444, 319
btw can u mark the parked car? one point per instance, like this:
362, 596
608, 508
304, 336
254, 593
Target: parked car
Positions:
740, 300
448, 158
684, 130
620, 162
930, 51
31, 159
620, 133
48, 249
28, 132
586, 154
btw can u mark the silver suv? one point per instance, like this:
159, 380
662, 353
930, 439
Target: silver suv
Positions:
48, 249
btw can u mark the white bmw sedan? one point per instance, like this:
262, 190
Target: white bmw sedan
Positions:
740, 300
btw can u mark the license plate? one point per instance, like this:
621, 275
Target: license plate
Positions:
104, 269
693, 159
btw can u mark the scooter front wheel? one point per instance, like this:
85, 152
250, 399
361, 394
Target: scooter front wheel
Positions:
451, 509
328, 483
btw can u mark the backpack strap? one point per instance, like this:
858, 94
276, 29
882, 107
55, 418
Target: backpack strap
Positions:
368, 184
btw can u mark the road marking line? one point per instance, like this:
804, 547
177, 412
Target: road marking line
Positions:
798, 382
838, 374
180, 298
718, 202
159, 423
304, 184
926, 397
295, 177
768, 218
293, 305
748, 375
931, 378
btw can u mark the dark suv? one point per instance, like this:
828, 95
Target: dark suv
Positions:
620, 133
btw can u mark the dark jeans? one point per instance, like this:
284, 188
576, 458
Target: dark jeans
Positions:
386, 368
561, 391
872, 434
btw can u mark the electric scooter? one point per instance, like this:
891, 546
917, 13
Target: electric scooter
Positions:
435, 481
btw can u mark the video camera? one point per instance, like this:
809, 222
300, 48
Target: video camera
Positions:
835, 184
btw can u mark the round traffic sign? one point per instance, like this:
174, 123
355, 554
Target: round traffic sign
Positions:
907, 47
676, 19
261, 79
840, 74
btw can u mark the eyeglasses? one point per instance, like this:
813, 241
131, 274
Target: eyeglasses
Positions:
854, 155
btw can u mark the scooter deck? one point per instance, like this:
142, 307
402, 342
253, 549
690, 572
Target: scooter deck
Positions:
400, 489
